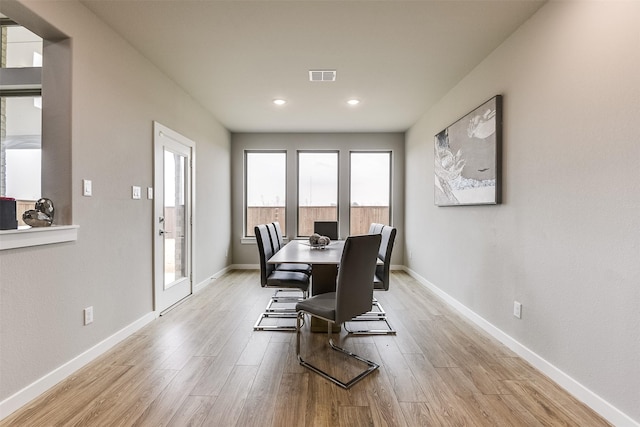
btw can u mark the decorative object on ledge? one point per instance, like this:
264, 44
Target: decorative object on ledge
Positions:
467, 158
318, 242
8, 219
41, 216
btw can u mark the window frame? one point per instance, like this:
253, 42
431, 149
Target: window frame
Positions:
246, 188
390, 187
18, 82
311, 151
56, 132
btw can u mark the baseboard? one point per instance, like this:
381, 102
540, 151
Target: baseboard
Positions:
30, 392
580, 392
245, 267
206, 282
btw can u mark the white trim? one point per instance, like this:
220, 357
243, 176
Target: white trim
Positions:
164, 137
253, 241
36, 236
206, 282
200, 286
580, 392
245, 267
222, 272
35, 389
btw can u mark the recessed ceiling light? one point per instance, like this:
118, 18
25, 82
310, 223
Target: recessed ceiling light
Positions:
279, 101
353, 102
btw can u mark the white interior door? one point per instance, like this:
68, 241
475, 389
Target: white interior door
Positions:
173, 225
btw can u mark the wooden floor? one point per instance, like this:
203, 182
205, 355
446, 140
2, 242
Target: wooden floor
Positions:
203, 365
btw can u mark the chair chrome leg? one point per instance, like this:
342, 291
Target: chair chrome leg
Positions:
376, 310
371, 366
267, 315
388, 331
279, 312
289, 299
372, 316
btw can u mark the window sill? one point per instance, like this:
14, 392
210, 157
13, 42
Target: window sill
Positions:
36, 236
252, 241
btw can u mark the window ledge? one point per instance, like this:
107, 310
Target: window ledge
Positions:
35, 236
252, 240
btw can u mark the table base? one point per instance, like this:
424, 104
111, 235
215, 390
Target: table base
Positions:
319, 325
323, 280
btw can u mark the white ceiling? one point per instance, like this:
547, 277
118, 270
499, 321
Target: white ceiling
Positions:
235, 57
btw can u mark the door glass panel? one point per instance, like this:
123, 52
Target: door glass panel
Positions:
175, 221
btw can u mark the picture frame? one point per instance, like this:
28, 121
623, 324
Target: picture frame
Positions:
467, 158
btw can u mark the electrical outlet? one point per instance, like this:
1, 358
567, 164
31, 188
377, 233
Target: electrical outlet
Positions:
88, 315
517, 309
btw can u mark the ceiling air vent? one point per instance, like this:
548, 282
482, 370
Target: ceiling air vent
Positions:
322, 75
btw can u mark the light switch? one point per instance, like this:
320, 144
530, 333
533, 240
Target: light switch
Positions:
135, 192
149, 193
86, 187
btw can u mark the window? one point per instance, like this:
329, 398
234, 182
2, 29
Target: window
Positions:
32, 64
317, 189
265, 179
21, 115
369, 189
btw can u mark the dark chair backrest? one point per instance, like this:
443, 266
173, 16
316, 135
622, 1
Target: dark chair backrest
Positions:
375, 228
388, 234
263, 239
354, 286
278, 238
275, 245
326, 228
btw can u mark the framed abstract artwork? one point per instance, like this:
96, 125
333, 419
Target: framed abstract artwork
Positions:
467, 158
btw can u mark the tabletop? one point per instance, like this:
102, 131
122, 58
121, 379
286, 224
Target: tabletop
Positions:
300, 252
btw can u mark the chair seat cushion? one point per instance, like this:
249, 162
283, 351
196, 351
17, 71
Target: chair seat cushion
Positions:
302, 268
288, 279
323, 305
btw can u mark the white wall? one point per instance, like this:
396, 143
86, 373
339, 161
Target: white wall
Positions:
566, 240
116, 96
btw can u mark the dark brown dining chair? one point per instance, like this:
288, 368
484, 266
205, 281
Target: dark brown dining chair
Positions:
277, 243
326, 228
280, 281
380, 282
353, 296
375, 228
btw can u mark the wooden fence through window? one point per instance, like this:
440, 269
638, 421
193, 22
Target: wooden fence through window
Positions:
361, 217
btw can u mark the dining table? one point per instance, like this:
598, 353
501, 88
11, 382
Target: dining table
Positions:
324, 262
